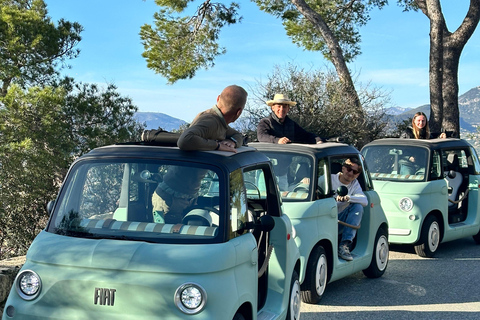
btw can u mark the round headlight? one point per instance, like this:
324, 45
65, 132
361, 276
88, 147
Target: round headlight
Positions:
406, 204
28, 284
190, 298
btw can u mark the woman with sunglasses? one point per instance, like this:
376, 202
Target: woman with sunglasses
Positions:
350, 206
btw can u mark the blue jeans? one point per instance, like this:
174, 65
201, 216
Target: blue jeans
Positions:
351, 215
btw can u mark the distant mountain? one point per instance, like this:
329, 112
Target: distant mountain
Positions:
393, 111
155, 120
468, 105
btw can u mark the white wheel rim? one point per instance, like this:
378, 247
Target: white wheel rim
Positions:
433, 236
321, 275
381, 253
295, 301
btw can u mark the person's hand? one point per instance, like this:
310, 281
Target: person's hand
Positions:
227, 145
305, 181
343, 198
443, 135
283, 140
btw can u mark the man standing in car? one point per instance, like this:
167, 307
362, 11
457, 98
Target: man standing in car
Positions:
210, 129
279, 128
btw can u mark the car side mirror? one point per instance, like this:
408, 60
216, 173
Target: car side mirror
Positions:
50, 205
452, 174
342, 191
265, 223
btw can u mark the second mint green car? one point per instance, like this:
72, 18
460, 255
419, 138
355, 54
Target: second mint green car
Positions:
311, 207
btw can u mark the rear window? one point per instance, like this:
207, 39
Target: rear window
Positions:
150, 201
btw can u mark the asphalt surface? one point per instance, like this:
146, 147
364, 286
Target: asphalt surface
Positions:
444, 287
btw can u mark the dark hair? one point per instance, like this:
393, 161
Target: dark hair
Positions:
349, 161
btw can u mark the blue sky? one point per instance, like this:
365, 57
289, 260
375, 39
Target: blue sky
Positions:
395, 48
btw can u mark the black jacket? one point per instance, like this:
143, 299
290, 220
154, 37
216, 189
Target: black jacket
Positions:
271, 130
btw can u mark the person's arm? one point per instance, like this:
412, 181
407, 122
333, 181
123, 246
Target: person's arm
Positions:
264, 132
235, 136
193, 137
303, 136
357, 196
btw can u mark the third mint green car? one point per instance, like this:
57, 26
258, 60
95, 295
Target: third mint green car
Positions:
428, 188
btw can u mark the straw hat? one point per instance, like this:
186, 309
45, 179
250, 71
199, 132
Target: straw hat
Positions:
280, 98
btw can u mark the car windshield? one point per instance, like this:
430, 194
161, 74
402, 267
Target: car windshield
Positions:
294, 174
150, 201
397, 163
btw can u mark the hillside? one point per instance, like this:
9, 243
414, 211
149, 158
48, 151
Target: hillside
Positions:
155, 120
468, 104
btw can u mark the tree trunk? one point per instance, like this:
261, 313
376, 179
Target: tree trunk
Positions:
451, 113
437, 27
445, 51
335, 51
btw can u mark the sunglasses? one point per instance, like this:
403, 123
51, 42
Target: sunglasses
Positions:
349, 169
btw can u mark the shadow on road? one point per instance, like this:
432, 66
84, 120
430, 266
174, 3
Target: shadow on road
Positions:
444, 287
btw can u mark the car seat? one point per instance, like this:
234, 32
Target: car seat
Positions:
454, 180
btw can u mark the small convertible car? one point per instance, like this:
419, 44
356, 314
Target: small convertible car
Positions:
303, 174
141, 231
428, 188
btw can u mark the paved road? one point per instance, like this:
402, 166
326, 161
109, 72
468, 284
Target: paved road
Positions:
445, 287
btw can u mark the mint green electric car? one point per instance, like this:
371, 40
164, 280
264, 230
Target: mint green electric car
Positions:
428, 188
303, 174
141, 231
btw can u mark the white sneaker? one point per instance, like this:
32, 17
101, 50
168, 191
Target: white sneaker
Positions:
344, 252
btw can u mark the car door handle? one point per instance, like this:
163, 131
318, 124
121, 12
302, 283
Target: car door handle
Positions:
333, 212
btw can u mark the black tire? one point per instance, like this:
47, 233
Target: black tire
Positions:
316, 276
477, 237
294, 301
238, 316
380, 253
429, 238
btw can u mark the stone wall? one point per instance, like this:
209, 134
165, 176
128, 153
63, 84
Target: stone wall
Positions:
8, 271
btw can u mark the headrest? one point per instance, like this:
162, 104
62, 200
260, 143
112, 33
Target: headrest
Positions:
452, 160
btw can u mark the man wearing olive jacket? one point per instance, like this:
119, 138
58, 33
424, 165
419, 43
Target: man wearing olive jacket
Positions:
210, 129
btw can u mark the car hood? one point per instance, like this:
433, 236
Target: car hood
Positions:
56, 249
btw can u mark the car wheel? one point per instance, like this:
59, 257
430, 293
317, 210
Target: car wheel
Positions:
429, 238
295, 301
380, 255
316, 276
477, 237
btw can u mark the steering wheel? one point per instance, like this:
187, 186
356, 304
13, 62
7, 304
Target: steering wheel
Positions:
196, 216
254, 187
301, 187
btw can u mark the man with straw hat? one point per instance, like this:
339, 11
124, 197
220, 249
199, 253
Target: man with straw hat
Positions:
279, 128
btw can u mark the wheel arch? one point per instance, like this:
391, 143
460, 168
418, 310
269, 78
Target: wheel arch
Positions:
328, 247
246, 310
437, 214
384, 226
